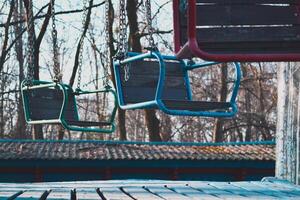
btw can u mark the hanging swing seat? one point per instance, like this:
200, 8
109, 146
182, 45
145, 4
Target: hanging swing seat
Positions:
161, 82
237, 30
55, 103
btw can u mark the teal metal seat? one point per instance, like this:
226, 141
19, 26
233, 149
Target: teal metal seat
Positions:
55, 103
162, 82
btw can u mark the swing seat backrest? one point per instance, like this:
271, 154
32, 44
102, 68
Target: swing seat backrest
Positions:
46, 104
143, 78
244, 27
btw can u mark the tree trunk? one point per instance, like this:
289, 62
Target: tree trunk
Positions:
37, 129
99, 108
288, 122
61, 132
247, 105
122, 127
20, 124
3, 56
152, 121
218, 130
121, 113
5, 36
166, 128
2, 121
153, 126
266, 131
134, 37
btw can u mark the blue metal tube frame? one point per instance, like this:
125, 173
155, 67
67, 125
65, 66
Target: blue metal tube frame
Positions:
39, 85
157, 101
61, 118
191, 66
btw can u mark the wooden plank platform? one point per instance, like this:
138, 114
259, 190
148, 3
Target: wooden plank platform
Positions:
150, 189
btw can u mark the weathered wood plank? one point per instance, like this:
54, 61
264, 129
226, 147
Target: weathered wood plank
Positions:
286, 185
212, 190
249, 2
59, 194
249, 40
285, 188
246, 15
151, 81
192, 193
154, 190
166, 193
113, 193
140, 94
140, 193
249, 34
9, 194
227, 186
31, 195
246, 27
264, 194
50, 101
144, 75
84, 194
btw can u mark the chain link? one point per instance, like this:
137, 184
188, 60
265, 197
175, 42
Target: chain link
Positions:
152, 44
126, 72
30, 30
123, 39
80, 62
56, 69
107, 49
81, 42
123, 46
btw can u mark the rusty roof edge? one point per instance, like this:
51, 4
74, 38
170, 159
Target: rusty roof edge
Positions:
111, 142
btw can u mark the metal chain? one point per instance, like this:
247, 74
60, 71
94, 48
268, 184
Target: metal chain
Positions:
107, 51
80, 63
123, 39
56, 69
81, 42
30, 30
152, 44
123, 46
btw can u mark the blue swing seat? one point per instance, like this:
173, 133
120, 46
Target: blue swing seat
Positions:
55, 103
161, 82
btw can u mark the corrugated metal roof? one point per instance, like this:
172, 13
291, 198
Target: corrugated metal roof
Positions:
29, 150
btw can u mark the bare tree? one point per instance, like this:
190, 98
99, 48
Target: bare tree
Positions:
257, 98
112, 51
152, 121
80, 43
218, 132
18, 28
5, 50
38, 129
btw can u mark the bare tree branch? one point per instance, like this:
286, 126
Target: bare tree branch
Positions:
57, 13
44, 26
6, 37
85, 28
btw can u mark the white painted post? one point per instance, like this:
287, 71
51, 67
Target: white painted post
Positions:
288, 126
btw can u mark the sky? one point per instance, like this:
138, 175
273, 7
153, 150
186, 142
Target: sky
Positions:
69, 29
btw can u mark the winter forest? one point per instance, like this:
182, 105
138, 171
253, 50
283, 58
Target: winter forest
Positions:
257, 97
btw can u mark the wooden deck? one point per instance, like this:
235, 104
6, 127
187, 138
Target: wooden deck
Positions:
157, 190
